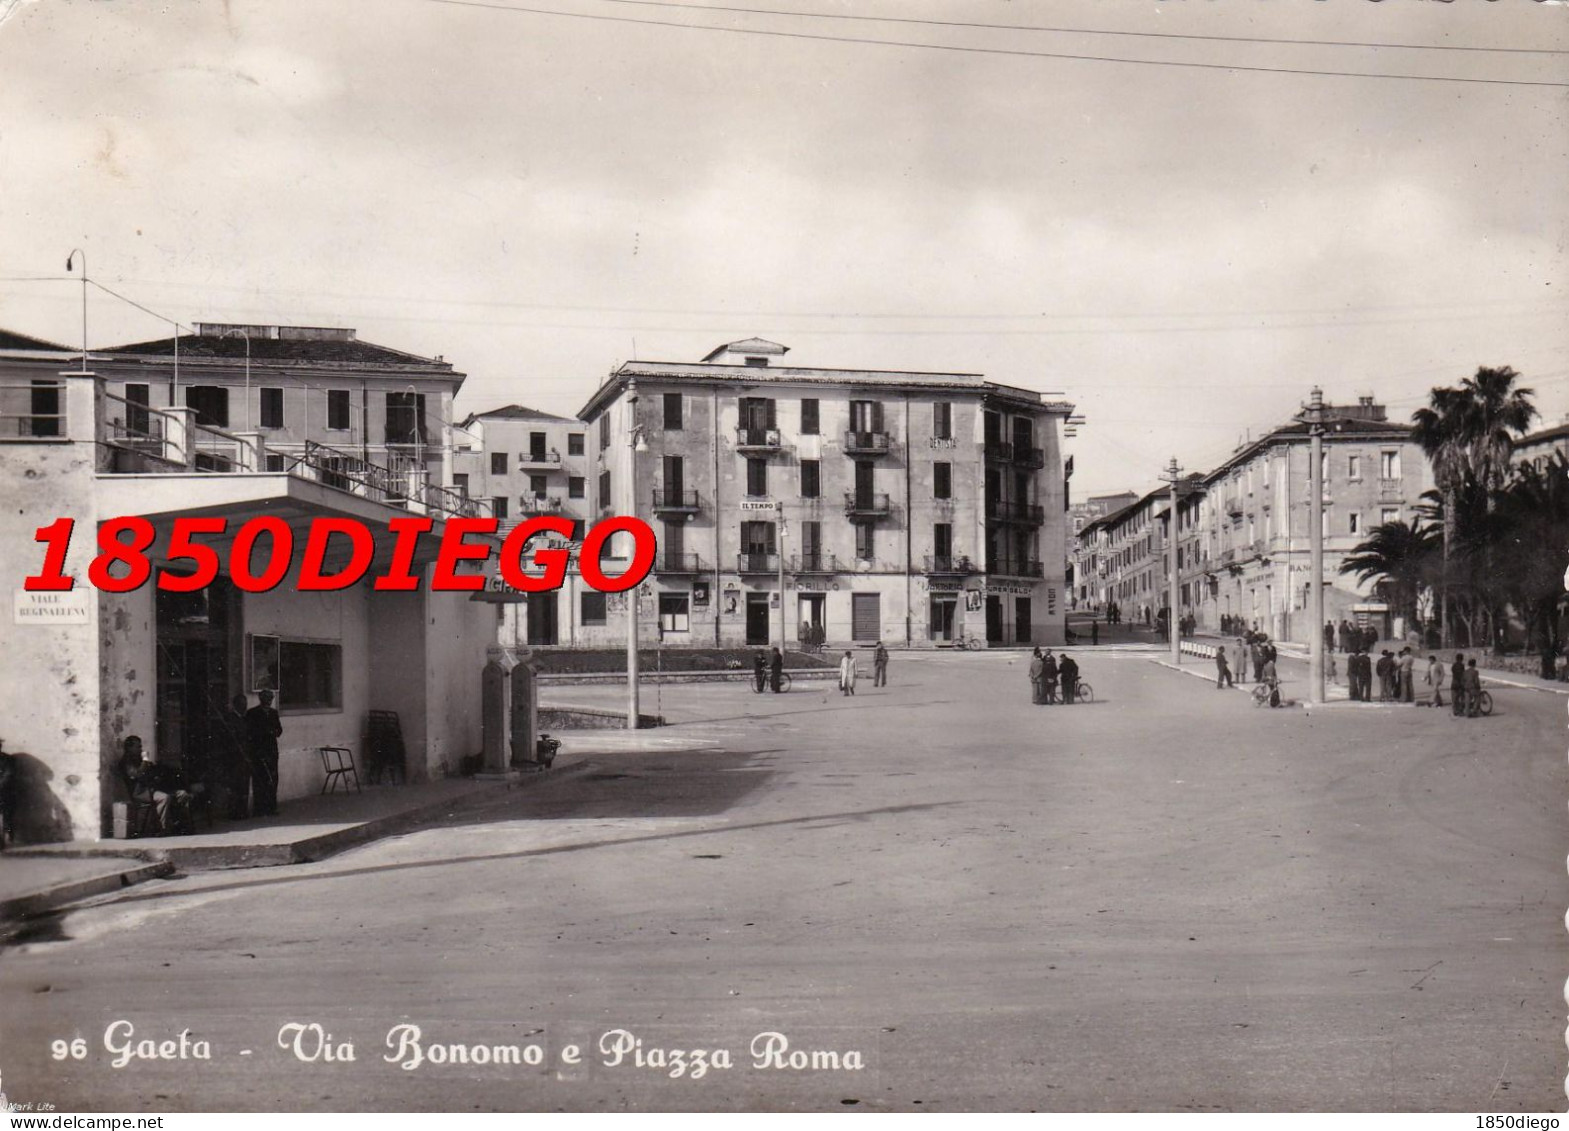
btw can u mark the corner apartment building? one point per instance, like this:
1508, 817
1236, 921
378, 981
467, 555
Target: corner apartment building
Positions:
917, 508
1249, 552
119, 433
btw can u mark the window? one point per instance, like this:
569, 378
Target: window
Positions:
337, 410
604, 431
863, 541
536, 485
866, 416
672, 412
942, 540
757, 537
1353, 523
942, 420
1389, 465
211, 404
1389, 514
460, 483
272, 408
575, 444
812, 545
942, 480
498, 463
498, 506
811, 479
604, 488
592, 608
1354, 467
536, 445
274, 462
138, 421
757, 477
575, 487
406, 419
757, 414
809, 424
310, 676
673, 612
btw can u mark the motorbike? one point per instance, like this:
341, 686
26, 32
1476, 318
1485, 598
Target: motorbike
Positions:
545, 749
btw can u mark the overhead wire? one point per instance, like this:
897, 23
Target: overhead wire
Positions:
1000, 51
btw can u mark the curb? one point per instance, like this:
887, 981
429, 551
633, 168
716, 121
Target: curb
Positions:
22, 906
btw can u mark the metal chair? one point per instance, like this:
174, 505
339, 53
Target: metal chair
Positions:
338, 762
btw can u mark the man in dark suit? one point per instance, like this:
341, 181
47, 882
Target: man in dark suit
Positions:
262, 729
1068, 673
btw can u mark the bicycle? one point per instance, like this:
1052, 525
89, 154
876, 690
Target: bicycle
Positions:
784, 684
1261, 692
1083, 693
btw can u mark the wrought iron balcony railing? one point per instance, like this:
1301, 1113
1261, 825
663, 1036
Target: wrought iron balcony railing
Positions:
951, 564
758, 440
675, 502
867, 443
677, 562
814, 563
757, 562
867, 504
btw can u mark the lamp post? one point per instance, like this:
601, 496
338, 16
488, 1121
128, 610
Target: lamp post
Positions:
68, 259
634, 441
1173, 634
779, 522
1314, 417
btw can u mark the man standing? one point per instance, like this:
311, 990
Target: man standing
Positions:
759, 670
1094, 630
1222, 671
776, 671
1037, 669
1457, 684
1473, 690
847, 674
1405, 669
1048, 678
1239, 654
880, 666
236, 767
1329, 636
1435, 680
1068, 672
262, 729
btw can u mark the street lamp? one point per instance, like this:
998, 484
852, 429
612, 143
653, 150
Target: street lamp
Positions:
74, 253
635, 444
1173, 634
1313, 416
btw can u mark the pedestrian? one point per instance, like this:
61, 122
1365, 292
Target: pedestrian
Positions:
1049, 677
776, 670
1384, 668
1256, 655
1239, 653
1331, 672
847, 674
1404, 669
1037, 668
1457, 686
1222, 670
1094, 631
1473, 690
759, 670
236, 766
1329, 636
1068, 673
880, 666
1435, 680
1272, 681
262, 730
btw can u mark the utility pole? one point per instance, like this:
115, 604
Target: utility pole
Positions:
1173, 633
779, 525
1313, 416
634, 436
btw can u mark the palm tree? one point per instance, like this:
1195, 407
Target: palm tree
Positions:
1532, 524
1400, 555
1469, 432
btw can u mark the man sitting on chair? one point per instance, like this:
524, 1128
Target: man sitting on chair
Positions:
162, 788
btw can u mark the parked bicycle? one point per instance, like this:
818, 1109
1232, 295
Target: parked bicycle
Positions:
784, 684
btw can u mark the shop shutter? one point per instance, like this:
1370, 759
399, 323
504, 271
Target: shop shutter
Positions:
866, 616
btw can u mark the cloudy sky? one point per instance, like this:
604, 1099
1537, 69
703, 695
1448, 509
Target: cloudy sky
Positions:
1183, 251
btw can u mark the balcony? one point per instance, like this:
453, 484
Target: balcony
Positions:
757, 440
531, 505
762, 562
1009, 567
675, 502
1026, 456
547, 460
675, 563
950, 565
1391, 490
866, 443
999, 452
867, 504
1030, 514
814, 563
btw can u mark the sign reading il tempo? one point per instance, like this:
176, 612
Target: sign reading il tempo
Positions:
759, 505
64, 607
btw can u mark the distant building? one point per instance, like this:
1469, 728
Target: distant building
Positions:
1540, 446
1247, 557
1082, 563
918, 507
1124, 558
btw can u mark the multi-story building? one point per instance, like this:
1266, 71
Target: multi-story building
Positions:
119, 433
1250, 561
1083, 565
1125, 558
909, 507
524, 463
1540, 446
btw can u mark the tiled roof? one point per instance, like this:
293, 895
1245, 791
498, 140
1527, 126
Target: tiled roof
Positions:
233, 347
11, 340
521, 412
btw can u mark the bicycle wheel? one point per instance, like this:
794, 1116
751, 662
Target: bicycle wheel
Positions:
784, 681
1484, 703
1260, 694
975, 643
1086, 693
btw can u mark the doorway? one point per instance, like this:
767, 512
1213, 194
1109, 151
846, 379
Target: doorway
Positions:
542, 625
757, 618
944, 611
198, 644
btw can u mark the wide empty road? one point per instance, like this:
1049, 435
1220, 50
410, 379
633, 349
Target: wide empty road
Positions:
1165, 900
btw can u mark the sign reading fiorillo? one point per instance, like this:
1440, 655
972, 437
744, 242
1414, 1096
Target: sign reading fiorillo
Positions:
124, 542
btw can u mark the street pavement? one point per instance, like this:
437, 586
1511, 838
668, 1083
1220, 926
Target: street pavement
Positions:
1167, 899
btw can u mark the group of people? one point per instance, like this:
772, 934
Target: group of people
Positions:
768, 670
1253, 649
1396, 674
245, 768
1348, 637
1113, 613
1049, 672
